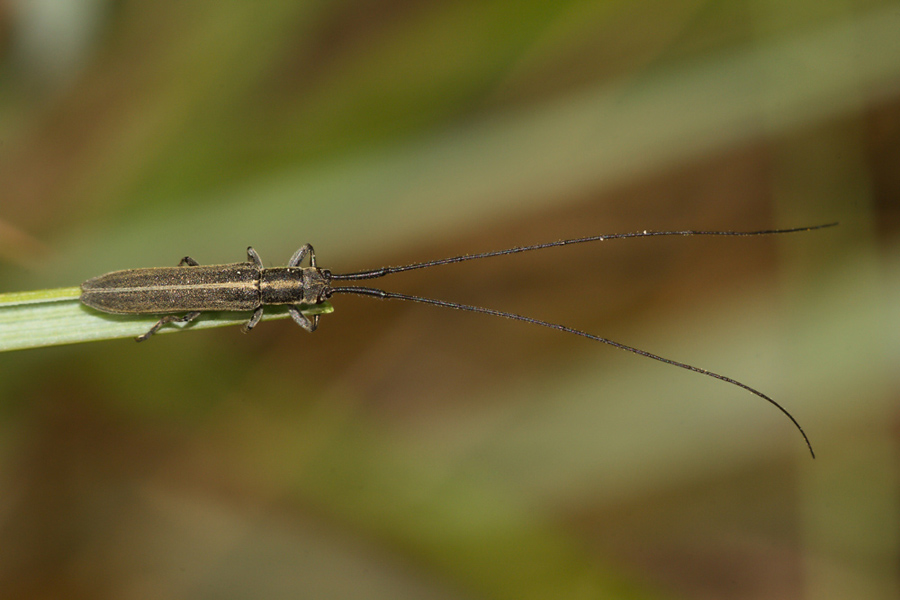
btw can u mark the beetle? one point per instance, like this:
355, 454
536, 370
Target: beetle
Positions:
184, 292
246, 286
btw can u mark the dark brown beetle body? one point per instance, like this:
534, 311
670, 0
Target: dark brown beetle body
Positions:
194, 289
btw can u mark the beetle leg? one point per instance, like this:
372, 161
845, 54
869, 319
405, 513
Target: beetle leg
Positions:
257, 315
187, 260
253, 256
303, 321
300, 254
168, 319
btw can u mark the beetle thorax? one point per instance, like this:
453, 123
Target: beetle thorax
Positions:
292, 285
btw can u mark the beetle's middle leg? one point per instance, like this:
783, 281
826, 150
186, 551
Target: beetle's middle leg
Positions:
168, 319
254, 319
253, 257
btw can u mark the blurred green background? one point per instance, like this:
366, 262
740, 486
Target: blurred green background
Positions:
405, 451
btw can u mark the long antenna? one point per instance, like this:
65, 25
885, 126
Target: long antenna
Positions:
381, 272
364, 291
385, 295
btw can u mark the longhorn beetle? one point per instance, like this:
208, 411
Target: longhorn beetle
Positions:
192, 289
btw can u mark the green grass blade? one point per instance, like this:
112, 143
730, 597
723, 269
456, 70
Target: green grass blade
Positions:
55, 317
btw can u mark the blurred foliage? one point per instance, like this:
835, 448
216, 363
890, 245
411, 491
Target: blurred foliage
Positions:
404, 451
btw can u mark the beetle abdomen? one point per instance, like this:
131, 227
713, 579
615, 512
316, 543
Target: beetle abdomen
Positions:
174, 289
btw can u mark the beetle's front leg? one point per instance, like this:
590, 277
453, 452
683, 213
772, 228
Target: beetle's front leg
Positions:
303, 321
187, 260
300, 254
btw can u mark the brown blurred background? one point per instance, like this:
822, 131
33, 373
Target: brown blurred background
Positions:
406, 451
